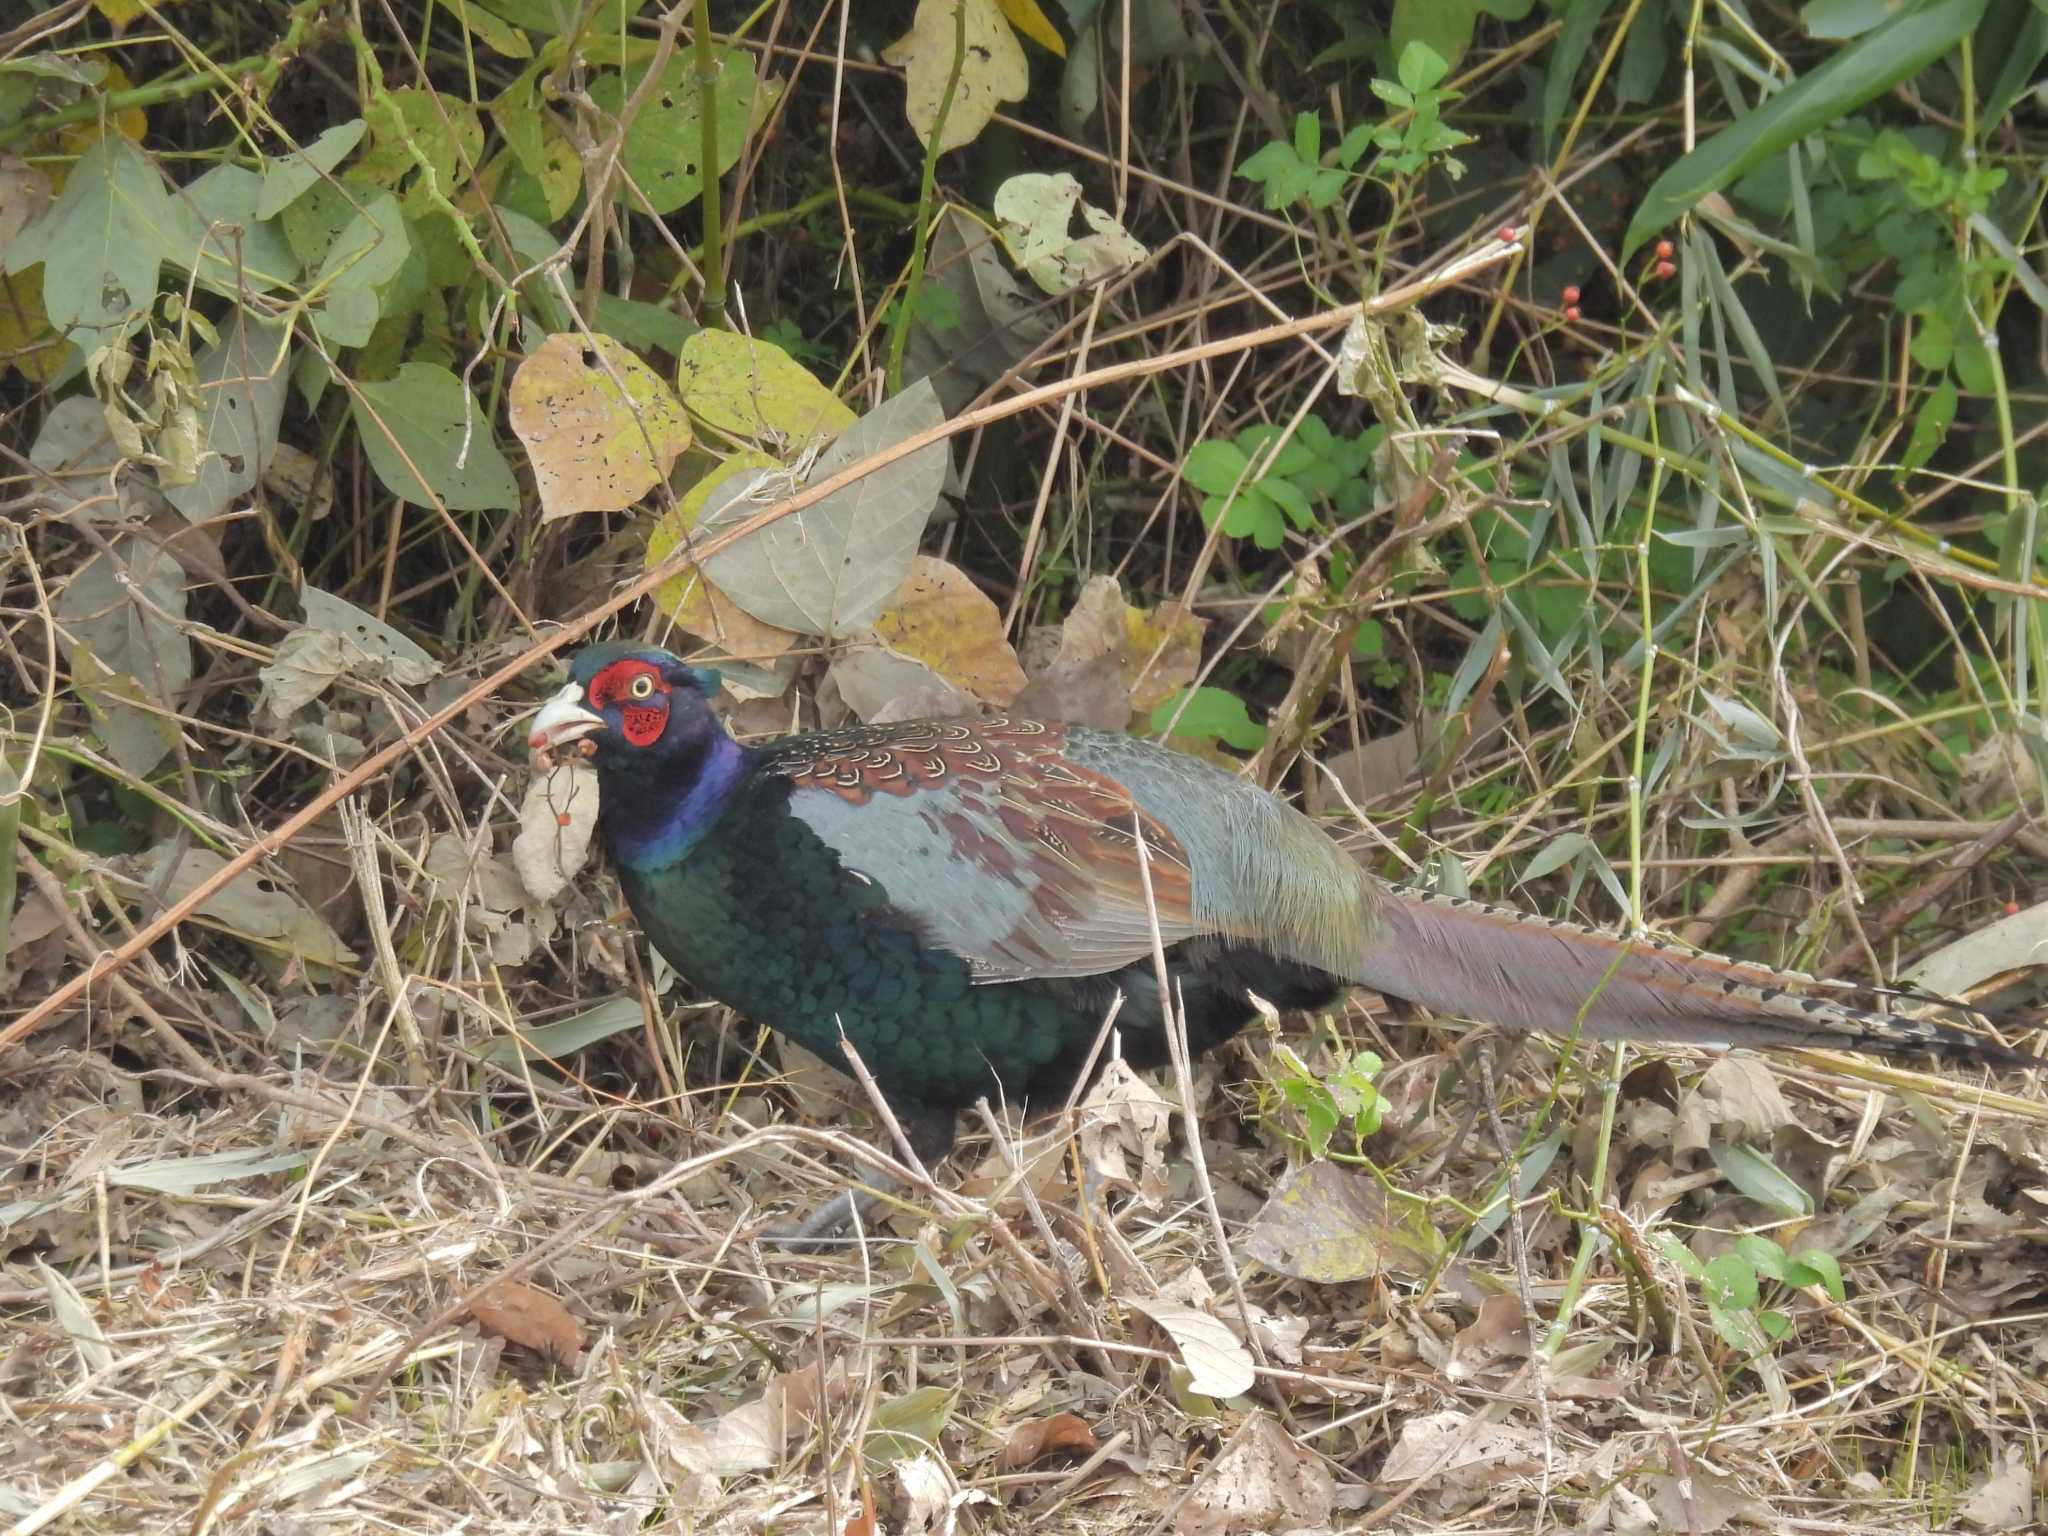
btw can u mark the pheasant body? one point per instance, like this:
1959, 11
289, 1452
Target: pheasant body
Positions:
963, 900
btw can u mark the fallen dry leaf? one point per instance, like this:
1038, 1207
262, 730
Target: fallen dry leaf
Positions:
1218, 1366
1454, 1451
1124, 1117
1263, 1482
1500, 1333
528, 1316
1047, 1437
1739, 1096
1330, 1225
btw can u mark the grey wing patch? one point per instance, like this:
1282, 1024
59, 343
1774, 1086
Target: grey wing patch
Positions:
983, 879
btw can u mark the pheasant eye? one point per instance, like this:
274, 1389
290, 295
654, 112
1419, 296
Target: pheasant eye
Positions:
642, 687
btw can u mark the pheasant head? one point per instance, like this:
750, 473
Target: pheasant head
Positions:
663, 760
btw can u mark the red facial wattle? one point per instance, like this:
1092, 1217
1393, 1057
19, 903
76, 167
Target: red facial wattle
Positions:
641, 694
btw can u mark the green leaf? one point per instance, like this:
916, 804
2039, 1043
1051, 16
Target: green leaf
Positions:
666, 137
226, 242
414, 428
832, 568
1729, 1282
1444, 25
1253, 515
1931, 422
1764, 1256
906, 1426
1760, 1179
1215, 467
1207, 714
289, 177
369, 251
1816, 1266
102, 242
1865, 69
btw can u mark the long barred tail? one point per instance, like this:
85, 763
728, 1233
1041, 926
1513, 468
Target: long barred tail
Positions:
1529, 973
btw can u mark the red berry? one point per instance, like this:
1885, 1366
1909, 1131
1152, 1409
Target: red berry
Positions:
1666, 269
562, 819
1664, 250
1571, 293
1571, 314
1507, 234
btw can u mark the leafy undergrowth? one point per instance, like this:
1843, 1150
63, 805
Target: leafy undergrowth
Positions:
1586, 463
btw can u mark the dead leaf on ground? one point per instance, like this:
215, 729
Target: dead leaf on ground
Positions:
1125, 1118
1040, 1438
1263, 1482
528, 1316
2004, 1501
1108, 661
1705, 1502
1455, 1452
1739, 1097
1500, 1333
1330, 1225
1218, 1366
879, 686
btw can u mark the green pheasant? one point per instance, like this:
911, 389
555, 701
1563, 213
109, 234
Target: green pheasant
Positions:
964, 898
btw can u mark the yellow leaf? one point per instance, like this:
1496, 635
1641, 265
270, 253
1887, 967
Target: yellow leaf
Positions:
119, 13
26, 339
992, 68
1165, 654
1027, 18
79, 137
600, 427
691, 598
755, 390
939, 617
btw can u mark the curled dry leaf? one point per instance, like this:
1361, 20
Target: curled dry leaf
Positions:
601, 428
1124, 1118
1040, 1438
1500, 1333
1263, 1482
1738, 1097
1037, 214
1218, 1366
1110, 661
556, 821
528, 1316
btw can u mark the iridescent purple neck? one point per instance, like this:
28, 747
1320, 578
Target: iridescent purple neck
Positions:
651, 819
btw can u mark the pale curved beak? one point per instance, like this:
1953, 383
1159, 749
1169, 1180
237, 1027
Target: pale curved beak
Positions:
561, 720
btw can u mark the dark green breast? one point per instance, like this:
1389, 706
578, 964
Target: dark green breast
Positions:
761, 916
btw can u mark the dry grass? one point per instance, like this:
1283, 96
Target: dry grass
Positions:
435, 1282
